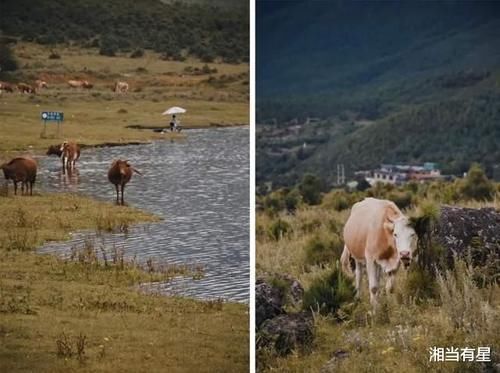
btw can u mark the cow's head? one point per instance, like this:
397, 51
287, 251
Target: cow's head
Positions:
54, 149
405, 238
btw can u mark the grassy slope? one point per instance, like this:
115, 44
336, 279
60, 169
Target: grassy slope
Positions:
399, 337
92, 117
42, 297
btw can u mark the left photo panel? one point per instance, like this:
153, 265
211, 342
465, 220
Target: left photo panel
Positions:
125, 192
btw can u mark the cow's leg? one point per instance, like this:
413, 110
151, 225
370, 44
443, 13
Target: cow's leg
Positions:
373, 280
389, 284
15, 187
123, 190
117, 194
359, 275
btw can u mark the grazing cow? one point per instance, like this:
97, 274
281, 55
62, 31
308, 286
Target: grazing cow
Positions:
80, 84
21, 170
7, 87
70, 153
25, 88
379, 235
54, 149
120, 174
41, 84
121, 87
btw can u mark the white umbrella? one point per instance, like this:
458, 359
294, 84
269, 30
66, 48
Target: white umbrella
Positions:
174, 110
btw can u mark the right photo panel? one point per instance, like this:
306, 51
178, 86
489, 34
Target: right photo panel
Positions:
377, 186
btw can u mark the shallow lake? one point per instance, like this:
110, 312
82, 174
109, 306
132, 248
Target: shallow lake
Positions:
200, 188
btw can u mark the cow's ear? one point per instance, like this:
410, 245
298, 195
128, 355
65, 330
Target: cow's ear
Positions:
389, 226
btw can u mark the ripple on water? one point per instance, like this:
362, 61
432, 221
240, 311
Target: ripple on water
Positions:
199, 186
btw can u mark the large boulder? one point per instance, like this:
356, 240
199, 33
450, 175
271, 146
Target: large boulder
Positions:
273, 293
467, 231
269, 301
286, 333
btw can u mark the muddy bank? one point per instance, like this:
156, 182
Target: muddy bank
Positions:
189, 127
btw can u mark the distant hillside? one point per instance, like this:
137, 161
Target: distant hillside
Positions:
390, 81
200, 29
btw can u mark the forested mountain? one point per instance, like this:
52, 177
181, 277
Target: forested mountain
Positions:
392, 81
199, 28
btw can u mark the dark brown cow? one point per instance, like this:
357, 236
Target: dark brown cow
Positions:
70, 153
22, 170
54, 149
7, 87
120, 174
25, 88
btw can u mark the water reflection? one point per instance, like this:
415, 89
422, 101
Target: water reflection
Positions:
200, 187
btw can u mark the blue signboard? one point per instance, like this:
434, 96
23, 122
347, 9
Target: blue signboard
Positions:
57, 116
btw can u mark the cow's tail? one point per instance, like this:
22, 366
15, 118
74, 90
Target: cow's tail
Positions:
345, 263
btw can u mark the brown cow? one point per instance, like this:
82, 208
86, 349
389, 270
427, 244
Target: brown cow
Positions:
120, 174
377, 235
70, 153
25, 88
22, 170
7, 87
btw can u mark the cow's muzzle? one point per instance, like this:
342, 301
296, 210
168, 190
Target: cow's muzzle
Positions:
405, 257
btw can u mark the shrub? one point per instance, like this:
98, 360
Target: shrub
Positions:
329, 292
279, 228
338, 200
7, 59
322, 249
292, 200
476, 185
310, 189
402, 199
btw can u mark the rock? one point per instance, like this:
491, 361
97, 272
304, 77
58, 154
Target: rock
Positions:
268, 302
293, 291
272, 295
465, 230
285, 333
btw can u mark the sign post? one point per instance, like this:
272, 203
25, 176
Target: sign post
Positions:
51, 116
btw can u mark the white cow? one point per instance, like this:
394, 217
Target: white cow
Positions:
377, 235
121, 87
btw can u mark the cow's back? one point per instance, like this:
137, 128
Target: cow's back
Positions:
365, 226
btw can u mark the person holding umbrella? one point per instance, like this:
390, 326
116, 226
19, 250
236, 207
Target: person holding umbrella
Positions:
174, 123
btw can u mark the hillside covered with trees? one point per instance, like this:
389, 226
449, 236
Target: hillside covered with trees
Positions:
174, 29
384, 82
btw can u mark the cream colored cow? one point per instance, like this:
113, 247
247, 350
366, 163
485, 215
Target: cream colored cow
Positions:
377, 235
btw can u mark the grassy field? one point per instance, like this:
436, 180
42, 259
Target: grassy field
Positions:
455, 311
99, 115
85, 315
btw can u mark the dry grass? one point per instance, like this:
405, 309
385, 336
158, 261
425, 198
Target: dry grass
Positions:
399, 336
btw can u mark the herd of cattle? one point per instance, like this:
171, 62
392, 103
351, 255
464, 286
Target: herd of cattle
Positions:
24, 169
118, 87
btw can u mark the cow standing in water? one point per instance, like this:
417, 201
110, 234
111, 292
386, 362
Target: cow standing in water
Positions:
377, 235
70, 153
22, 170
120, 174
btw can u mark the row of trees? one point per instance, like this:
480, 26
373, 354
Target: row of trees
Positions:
174, 29
311, 190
